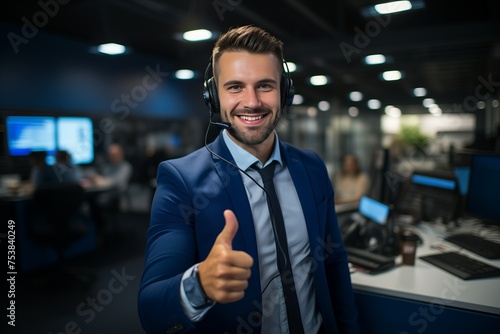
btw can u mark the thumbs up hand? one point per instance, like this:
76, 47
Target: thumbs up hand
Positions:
224, 273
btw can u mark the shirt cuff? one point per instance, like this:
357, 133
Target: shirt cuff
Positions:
192, 313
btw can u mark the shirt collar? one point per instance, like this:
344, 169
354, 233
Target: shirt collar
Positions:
244, 159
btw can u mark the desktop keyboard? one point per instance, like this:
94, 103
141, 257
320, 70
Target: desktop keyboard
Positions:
476, 244
462, 266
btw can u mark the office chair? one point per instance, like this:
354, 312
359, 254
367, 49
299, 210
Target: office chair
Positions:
57, 220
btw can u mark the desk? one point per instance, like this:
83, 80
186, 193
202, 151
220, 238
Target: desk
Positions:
25, 191
414, 299
21, 193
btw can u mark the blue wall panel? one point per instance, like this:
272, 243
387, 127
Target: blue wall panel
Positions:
55, 73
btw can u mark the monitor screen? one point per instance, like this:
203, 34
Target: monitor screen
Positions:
484, 188
75, 135
462, 174
430, 181
374, 210
429, 195
30, 133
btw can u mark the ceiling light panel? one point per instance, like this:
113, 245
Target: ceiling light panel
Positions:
392, 75
197, 35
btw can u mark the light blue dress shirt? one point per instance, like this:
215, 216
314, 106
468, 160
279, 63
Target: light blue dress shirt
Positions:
274, 317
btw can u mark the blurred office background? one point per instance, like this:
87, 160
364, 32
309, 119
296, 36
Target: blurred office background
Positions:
403, 91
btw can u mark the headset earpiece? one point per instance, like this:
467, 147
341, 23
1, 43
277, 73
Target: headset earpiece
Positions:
210, 95
287, 89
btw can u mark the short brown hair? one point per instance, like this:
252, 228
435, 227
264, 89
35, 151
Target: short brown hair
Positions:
247, 38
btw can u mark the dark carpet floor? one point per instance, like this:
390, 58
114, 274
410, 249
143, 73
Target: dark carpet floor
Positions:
45, 304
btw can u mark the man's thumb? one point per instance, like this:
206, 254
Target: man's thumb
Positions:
229, 231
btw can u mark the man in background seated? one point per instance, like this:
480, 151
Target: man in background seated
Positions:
66, 169
116, 172
115, 175
63, 171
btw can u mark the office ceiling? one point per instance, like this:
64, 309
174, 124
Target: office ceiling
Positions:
448, 47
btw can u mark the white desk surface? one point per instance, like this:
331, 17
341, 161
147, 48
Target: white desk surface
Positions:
427, 283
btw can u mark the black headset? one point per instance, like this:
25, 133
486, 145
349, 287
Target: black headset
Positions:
211, 98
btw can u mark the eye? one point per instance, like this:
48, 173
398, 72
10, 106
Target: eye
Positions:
265, 87
234, 88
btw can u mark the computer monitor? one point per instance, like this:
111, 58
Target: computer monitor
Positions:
429, 195
483, 197
75, 135
26, 134
460, 163
30, 133
374, 210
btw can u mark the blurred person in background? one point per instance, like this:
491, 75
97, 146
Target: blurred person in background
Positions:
63, 171
116, 172
114, 176
350, 183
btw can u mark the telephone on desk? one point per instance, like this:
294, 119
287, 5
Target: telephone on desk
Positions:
371, 229
373, 263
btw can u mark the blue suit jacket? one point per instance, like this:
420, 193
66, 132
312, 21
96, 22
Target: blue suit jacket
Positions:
186, 218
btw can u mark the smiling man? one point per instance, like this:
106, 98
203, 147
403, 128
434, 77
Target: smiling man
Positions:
243, 235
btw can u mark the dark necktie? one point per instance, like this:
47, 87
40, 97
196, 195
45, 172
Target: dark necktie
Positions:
284, 264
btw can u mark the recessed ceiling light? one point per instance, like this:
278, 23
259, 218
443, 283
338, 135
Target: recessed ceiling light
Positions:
374, 104
324, 105
353, 111
291, 66
111, 49
356, 96
197, 35
437, 112
184, 74
419, 92
427, 102
433, 108
298, 99
318, 80
391, 75
393, 7
375, 59
392, 111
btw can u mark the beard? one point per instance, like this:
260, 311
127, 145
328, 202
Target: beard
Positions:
258, 135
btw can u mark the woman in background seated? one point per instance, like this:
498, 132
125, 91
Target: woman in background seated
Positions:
350, 183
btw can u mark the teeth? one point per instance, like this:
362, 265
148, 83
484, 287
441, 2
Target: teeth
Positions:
249, 118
